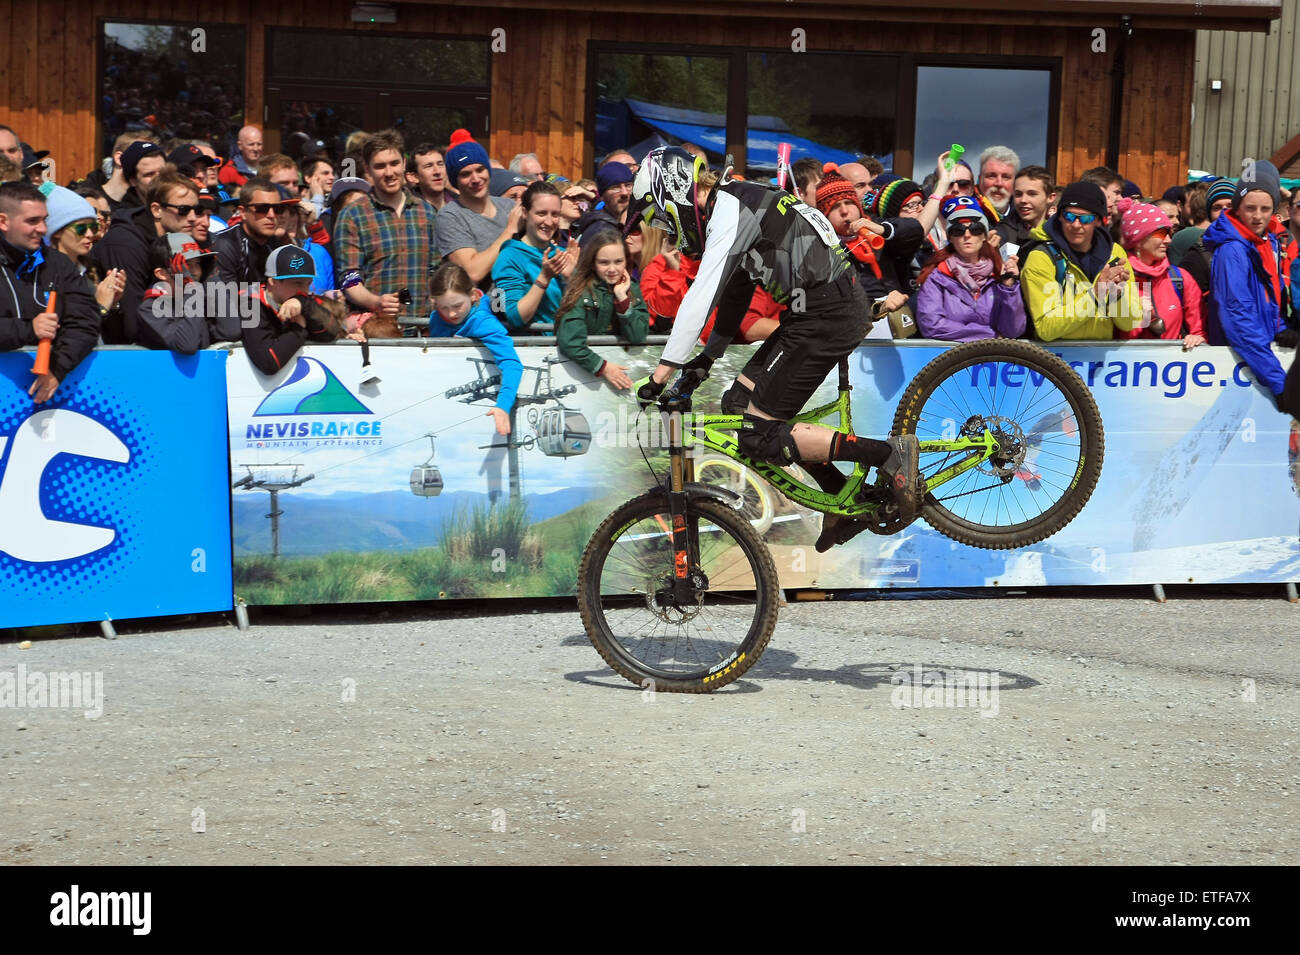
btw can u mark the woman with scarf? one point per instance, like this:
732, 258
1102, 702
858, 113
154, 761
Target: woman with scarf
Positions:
1247, 300
1171, 299
967, 291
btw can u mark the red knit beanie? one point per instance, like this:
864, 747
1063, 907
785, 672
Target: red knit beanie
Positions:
459, 136
833, 189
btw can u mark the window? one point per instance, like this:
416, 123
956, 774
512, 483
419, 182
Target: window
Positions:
377, 60
644, 99
172, 80
831, 106
979, 107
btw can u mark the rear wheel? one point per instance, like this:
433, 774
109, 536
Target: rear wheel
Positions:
639, 622
1049, 434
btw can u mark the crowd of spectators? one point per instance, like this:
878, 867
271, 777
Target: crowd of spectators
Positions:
169, 245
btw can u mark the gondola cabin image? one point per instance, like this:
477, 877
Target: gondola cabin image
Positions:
426, 478
562, 433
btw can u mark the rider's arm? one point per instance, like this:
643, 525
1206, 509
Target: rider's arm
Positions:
732, 230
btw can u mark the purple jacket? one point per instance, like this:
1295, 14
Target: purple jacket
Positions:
946, 310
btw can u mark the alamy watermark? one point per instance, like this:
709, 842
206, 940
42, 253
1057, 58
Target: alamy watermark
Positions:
36, 689
977, 689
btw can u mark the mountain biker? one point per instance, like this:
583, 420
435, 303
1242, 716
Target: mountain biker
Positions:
749, 234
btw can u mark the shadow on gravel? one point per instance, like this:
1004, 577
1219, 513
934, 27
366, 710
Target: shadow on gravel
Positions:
778, 664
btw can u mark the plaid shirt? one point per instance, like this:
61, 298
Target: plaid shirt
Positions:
386, 252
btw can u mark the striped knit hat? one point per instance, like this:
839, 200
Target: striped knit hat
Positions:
890, 200
1219, 189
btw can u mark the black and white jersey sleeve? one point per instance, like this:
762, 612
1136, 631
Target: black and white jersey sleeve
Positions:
757, 235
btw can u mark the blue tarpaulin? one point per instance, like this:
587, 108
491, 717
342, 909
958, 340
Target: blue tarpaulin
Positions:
708, 131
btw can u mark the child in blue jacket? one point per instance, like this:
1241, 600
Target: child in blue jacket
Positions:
460, 310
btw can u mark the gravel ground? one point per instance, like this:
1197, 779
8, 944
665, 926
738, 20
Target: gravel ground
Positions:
1125, 732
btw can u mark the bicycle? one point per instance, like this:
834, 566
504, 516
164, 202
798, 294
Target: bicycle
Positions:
684, 559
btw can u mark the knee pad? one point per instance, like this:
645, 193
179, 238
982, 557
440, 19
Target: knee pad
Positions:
736, 398
766, 440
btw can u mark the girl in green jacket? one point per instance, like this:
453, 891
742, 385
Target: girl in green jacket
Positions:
601, 299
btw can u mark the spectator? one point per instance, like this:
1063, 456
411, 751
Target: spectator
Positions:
210, 179
95, 196
343, 193
281, 170
384, 244
242, 165
1031, 195
33, 164
623, 156
507, 185
601, 299
1075, 279
873, 166
858, 176
319, 174
168, 319
576, 201
1176, 195
426, 173
967, 292
242, 249
527, 165
11, 145
1111, 184
998, 168
1246, 304
72, 227
296, 225
1205, 203
1171, 300
29, 277
807, 175
460, 310
288, 315
530, 272
1290, 240
142, 163
838, 201
905, 214
9, 170
614, 183
472, 229
173, 206
192, 162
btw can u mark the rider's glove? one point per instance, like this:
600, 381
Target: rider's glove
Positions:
647, 390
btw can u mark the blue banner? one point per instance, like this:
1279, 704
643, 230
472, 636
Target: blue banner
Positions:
114, 501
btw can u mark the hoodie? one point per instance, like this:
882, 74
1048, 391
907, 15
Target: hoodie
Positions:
1244, 312
1073, 312
486, 329
516, 269
126, 246
25, 280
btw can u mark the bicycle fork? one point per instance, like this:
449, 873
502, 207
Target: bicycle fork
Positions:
685, 533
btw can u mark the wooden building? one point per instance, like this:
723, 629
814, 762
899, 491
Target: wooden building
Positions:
1115, 79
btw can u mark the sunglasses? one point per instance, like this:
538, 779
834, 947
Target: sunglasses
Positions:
1083, 218
81, 228
262, 208
961, 228
183, 211
961, 183
1162, 233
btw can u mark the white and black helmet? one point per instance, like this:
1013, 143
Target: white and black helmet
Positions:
665, 195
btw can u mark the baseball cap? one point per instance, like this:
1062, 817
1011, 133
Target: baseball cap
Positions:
187, 154
503, 179
132, 155
184, 245
32, 157
348, 184
290, 262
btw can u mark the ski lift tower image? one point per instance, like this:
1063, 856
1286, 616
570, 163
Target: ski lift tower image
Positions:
274, 478
559, 431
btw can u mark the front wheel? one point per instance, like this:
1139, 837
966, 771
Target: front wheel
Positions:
1048, 431
639, 622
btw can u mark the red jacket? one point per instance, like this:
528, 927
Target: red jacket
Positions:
663, 290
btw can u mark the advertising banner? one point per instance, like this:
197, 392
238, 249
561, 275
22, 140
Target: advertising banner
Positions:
401, 489
113, 498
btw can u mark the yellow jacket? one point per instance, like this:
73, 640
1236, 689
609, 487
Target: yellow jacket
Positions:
1073, 311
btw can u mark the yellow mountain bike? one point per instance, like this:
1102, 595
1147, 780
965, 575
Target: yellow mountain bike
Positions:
678, 591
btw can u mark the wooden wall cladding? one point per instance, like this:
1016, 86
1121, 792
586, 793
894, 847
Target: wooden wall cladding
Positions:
48, 64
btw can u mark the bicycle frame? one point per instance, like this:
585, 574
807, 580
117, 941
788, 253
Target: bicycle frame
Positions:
717, 433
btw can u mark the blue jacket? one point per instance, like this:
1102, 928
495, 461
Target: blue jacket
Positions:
485, 328
324, 280
1243, 313
517, 266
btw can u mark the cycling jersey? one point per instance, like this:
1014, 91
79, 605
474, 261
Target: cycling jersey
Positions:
757, 235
